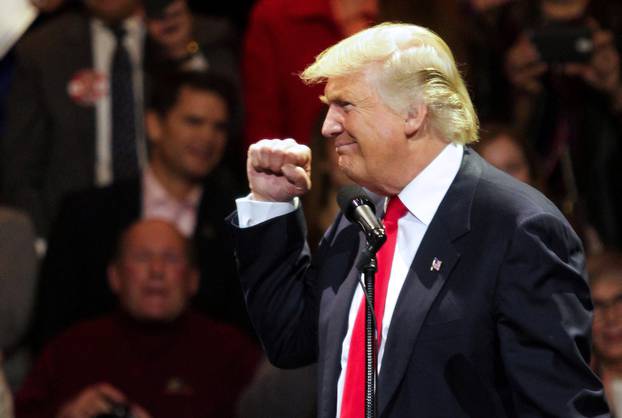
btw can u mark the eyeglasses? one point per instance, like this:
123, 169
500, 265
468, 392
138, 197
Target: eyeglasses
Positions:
603, 305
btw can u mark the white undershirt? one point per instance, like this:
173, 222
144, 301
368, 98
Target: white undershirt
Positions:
422, 196
103, 44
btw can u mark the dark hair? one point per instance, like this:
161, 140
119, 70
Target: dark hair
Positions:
602, 265
165, 89
491, 130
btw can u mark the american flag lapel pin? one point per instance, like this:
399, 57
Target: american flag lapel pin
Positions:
436, 264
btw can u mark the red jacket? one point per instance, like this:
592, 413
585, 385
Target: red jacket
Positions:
283, 38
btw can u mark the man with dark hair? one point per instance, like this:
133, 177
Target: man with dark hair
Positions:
76, 103
184, 183
150, 359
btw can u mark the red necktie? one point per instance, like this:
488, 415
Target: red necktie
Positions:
353, 400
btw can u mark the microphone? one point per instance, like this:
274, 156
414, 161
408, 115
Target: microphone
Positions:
359, 209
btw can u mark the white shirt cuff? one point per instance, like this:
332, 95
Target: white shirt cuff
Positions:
253, 212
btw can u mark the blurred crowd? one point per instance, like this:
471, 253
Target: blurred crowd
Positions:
123, 131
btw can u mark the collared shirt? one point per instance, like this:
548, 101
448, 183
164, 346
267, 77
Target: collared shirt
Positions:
158, 203
422, 196
103, 47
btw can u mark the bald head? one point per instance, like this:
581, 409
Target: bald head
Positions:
153, 274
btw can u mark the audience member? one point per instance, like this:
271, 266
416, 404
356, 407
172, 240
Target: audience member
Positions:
471, 28
504, 148
570, 106
606, 282
284, 37
153, 357
187, 124
74, 114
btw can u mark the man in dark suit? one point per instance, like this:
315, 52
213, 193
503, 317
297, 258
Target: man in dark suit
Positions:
187, 124
60, 123
482, 305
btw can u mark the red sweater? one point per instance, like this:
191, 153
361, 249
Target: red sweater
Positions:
283, 38
192, 368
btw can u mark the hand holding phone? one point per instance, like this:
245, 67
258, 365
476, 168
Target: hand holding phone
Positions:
561, 43
524, 67
602, 71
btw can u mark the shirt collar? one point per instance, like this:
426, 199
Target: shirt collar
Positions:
424, 194
156, 193
133, 25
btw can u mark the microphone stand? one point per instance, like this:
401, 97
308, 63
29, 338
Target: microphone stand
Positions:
368, 267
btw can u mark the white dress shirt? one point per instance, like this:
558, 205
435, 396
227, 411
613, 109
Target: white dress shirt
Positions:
103, 45
158, 203
422, 197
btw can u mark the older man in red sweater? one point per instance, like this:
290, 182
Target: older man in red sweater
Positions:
153, 358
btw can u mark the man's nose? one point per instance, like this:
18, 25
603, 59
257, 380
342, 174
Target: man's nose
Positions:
156, 266
333, 123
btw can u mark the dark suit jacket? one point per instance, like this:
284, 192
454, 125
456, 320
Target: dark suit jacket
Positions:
48, 148
501, 330
73, 283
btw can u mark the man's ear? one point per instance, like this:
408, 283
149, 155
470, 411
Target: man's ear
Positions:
415, 118
114, 281
194, 281
153, 125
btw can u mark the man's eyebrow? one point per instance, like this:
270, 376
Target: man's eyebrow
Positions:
335, 100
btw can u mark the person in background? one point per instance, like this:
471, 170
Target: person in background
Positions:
569, 105
188, 125
75, 107
504, 148
153, 357
283, 37
605, 272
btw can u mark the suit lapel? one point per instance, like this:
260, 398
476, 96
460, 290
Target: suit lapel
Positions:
423, 282
79, 56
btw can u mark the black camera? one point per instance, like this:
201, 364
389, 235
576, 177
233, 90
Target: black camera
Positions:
563, 43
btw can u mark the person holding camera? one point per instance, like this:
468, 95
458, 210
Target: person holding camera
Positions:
153, 357
567, 83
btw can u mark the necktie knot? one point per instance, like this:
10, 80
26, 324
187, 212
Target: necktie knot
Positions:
395, 210
118, 31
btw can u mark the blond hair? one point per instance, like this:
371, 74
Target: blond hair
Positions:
414, 65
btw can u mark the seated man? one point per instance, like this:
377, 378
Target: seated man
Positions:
184, 183
154, 356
